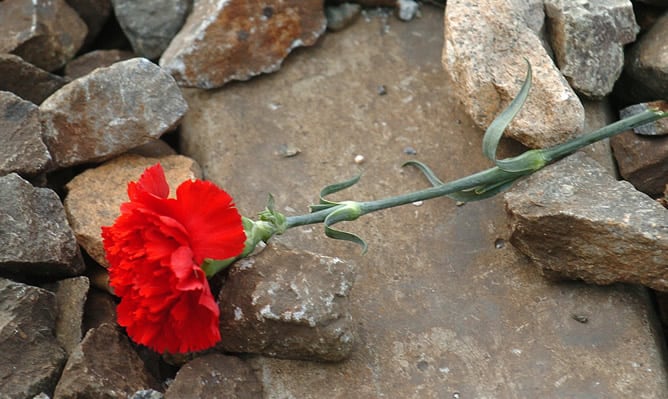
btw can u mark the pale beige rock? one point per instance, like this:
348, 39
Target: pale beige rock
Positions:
486, 44
95, 196
71, 294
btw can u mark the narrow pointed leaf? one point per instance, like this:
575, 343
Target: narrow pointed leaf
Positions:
426, 171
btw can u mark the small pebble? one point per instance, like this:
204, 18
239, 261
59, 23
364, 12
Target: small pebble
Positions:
359, 159
382, 90
410, 150
288, 150
580, 318
407, 9
418, 203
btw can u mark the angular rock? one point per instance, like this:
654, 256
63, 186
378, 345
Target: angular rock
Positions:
110, 111
215, 376
94, 13
104, 365
288, 304
94, 197
21, 147
238, 39
575, 219
588, 40
642, 160
87, 63
36, 239
45, 33
32, 359
486, 43
71, 296
26, 80
656, 128
151, 25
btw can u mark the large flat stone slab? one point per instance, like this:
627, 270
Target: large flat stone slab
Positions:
440, 311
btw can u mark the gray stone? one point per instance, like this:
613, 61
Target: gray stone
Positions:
104, 365
289, 304
215, 376
31, 357
36, 239
239, 39
656, 128
575, 219
94, 13
588, 40
87, 63
26, 80
642, 161
486, 44
341, 16
71, 296
45, 33
109, 111
151, 25
147, 394
438, 307
21, 147
407, 9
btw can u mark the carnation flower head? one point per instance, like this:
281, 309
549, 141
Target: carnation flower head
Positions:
155, 250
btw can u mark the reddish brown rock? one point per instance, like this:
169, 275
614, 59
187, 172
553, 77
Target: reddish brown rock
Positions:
215, 376
94, 13
94, 197
87, 63
110, 111
44, 33
26, 80
642, 160
238, 39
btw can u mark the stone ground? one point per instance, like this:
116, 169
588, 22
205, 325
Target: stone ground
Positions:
444, 308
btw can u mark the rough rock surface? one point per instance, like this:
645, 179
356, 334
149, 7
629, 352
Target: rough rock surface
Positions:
215, 376
575, 219
26, 80
104, 365
642, 160
588, 40
238, 39
94, 197
100, 308
342, 15
22, 149
94, 13
656, 128
150, 25
110, 111
71, 296
487, 72
32, 359
45, 33
86, 63
289, 304
36, 239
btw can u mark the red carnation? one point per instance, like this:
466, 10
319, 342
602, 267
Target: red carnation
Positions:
155, 249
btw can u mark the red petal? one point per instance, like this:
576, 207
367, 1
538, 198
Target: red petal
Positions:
152, 181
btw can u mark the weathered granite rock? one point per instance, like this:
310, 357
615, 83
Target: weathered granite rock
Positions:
486, 44
36, 239
104, 365
342, 15
26, 80
575, 219
289, 304
151, 25
32, 359
94, 197
109, 111
87, 63
21, 147
656, 128
238, 39
45, 33
215, 376
71, 296
642, 160
94, 13
588, 40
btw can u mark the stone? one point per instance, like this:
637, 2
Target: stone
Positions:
442, 303
238, 39
36, 239
100, 308
486, 44
289, 304
407, 9
155, 148
94, 197
575, 219
44, 33
26, 80
110, 111
215, 376
87, 63
71, 296
104, 365
94, 13
147, 394
22, 149
341, 16
656, 128
588, 40
642, 160
32, 359
151, 25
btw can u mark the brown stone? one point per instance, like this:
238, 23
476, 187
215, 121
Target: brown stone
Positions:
94, 13
238, 39
215, 376
26, 80
45, 33
642, 160
71, 296
94, 197
104, 365
110, 111
486, 44
100, 308
87, 63
289, 304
